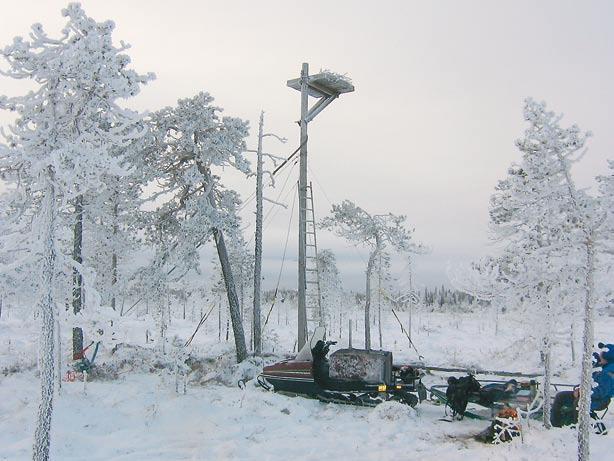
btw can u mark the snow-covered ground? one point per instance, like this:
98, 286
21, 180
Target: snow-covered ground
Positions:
138, 415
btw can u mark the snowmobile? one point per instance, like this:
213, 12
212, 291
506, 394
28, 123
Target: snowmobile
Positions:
349, 376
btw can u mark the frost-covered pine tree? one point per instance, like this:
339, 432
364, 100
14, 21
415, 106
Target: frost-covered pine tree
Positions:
57, 150
188, 147
377, 232
546, 225
330, 284
111, 230
583, 236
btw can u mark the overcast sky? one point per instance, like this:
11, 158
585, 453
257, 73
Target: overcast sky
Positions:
431, 126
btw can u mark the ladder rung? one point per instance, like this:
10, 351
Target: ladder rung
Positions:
311, 270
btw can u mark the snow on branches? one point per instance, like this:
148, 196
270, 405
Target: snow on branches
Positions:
186, 146
353, 223
67, 137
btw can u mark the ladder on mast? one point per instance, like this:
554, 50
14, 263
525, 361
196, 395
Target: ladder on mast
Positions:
313, 296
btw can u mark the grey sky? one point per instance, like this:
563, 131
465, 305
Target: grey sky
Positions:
437, 107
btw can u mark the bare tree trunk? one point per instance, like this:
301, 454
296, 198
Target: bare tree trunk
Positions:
547, 350
58, 355
349, 333
162, 310
242, 292
231, 291
42, 439
77, 291
584, 419
258, 244
368, 299
547, 380
233, 300
379, 300
572, 343
219, 321
114, 255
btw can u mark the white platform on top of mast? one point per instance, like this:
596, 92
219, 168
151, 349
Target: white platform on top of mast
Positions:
323, 85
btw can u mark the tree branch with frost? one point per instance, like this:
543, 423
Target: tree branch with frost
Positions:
353, 223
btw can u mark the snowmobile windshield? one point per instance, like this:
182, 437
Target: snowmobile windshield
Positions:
304, 354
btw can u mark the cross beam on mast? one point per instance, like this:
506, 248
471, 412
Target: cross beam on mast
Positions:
326, 87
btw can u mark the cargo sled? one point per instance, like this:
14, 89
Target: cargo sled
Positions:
488, 397
349, 376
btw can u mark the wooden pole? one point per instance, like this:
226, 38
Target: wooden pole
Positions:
302, 213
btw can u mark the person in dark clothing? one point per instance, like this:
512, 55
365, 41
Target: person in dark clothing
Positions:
498, 392
564, 409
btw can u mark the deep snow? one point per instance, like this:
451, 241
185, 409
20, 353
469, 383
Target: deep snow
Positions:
138, 415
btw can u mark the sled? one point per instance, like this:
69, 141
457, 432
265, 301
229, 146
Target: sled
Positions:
494, 396
349, 376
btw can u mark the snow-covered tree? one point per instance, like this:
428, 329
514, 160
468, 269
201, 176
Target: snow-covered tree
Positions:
383, 264
377, 232
187, 146
547, 227
111, 228
331, 288
57, 150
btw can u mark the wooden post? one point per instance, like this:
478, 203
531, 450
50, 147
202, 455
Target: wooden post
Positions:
302, 212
